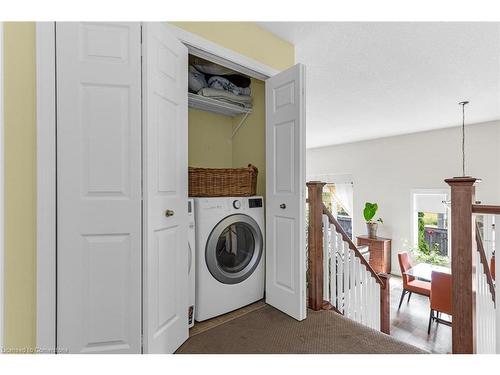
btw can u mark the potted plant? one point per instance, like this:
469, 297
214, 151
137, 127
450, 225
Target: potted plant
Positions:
369, 213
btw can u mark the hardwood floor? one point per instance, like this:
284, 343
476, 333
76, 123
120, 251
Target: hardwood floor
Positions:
409, 324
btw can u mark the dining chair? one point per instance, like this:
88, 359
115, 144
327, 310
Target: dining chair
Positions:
440, 298
410, 284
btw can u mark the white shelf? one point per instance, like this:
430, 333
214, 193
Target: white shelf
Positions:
216, 106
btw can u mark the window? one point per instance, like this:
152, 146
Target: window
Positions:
338, 197
430, 226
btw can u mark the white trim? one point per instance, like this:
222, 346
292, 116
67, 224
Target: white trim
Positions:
46, 185
2, 238
208, 50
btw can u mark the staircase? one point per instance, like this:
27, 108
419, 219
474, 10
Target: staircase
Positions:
339, 276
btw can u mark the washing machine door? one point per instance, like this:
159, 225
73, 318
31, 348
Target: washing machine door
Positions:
234, 249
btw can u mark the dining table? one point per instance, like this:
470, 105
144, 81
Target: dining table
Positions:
423, 271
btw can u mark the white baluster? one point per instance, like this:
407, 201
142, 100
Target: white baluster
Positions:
333, 266
496, 245
371, 293
363, 295
364, 280
478, 306
326, 258
352, 287
367, 277
358, 290
479, 312
374, 303
347, 288
341, 274
355, 287
376, 306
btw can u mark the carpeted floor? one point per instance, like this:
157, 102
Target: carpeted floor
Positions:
269, 331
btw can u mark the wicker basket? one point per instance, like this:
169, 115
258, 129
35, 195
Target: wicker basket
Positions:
224, 182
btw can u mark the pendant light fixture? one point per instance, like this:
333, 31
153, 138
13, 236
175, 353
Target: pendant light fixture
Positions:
463, 104
447, 203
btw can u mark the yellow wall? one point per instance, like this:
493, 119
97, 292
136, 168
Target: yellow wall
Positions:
246, 38
249, 143
20, 188
209, 140
20, 151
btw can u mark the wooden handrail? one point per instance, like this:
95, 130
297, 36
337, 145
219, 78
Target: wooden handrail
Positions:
353, 247
485, 209
484, 262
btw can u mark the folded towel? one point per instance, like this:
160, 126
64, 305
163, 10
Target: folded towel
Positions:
243, 105
222, 83
196, 80
243, 100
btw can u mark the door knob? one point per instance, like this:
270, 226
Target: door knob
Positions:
282, 206
169, 213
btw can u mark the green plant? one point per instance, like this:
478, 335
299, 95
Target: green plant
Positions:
432, 256
370, 211
423, 246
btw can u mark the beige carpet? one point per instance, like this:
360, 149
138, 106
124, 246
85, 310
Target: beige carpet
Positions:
269, 331
201, 327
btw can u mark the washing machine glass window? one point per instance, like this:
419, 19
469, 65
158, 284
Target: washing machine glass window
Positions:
234, 249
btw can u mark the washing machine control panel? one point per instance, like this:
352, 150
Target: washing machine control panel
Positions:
255, 202
237, 204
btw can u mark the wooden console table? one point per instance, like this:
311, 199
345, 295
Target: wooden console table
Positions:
380, 252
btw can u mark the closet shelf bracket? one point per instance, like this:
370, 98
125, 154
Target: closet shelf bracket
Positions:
239, 125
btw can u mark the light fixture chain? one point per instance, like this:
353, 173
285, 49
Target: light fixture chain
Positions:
463, 136
463, 140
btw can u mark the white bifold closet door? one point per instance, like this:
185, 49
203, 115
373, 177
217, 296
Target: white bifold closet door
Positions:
165, 133
122, 188
98, 187
285, 190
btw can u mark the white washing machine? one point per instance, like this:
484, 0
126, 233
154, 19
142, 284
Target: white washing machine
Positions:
191, 262
229, 254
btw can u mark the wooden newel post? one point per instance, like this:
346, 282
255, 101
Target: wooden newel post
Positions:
315, 244
463, 268
385, 304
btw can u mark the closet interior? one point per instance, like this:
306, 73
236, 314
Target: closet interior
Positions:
226, 118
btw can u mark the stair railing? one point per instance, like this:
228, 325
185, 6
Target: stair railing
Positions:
485, 301
339, 276
476, 320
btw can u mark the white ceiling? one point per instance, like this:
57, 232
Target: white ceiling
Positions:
372, 80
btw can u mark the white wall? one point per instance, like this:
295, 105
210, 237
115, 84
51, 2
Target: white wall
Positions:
386, 170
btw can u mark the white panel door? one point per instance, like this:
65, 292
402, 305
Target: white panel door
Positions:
285, 192
98, 187
165, 133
